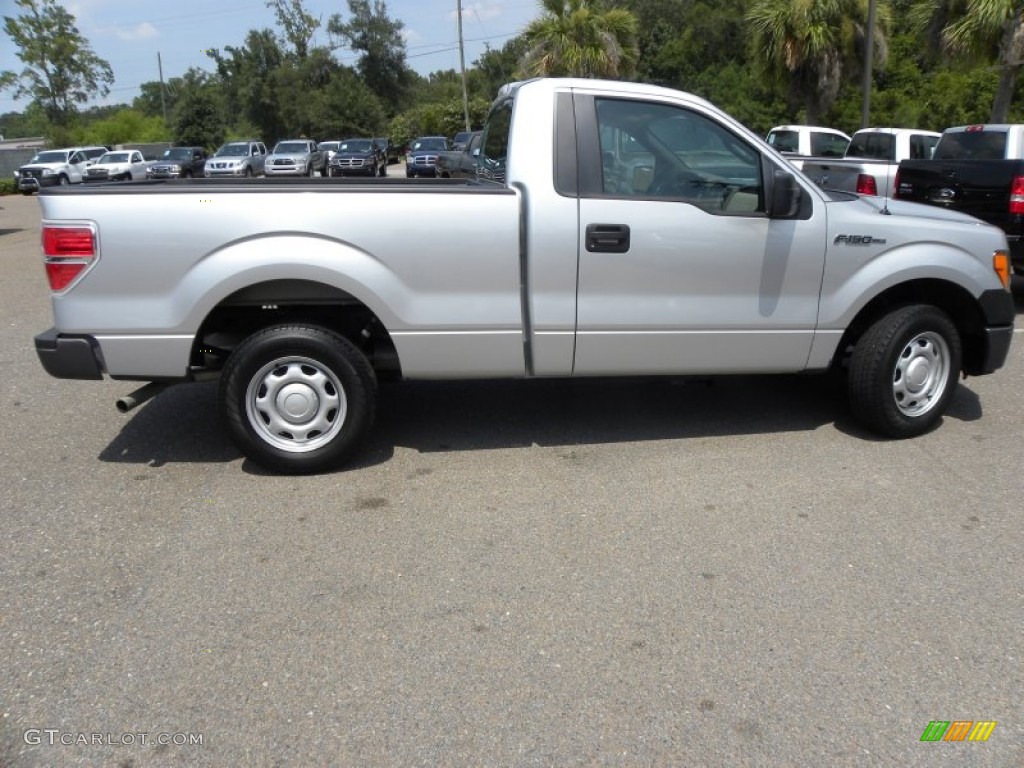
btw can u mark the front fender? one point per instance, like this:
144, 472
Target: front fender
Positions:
853, 280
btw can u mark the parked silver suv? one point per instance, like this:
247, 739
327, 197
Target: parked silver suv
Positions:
296, 157
237, 158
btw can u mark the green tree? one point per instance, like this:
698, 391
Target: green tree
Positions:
247, 77
122, 127
61, 70
379, 41
495, 67
581, 38
811, 46
298, 24
198, 112
987, 31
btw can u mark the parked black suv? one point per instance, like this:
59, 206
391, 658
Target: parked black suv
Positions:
178, 162
358, 157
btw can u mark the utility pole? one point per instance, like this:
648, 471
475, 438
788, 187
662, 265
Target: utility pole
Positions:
462, 66
869, 55
163, 98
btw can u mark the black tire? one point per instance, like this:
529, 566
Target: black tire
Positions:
187, 175
63, 180
382, 170
247, 173
328, 377
904, 371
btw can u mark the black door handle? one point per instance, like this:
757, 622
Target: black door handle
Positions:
607, 238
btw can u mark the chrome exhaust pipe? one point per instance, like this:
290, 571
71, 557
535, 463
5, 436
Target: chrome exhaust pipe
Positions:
140, 395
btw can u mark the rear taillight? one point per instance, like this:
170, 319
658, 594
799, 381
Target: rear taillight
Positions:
896, 184
1017, 195
68, 252
866, 184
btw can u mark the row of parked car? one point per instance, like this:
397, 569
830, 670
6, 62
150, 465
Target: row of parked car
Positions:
291, 157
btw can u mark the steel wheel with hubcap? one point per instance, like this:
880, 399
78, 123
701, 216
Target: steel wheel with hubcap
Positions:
298, 399
903, 371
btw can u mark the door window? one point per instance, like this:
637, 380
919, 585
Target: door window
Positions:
658, 151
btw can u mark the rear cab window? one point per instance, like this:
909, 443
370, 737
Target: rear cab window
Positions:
828, 144
970, 144
494, 145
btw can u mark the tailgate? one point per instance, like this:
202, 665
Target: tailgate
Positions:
834, 174
980, 188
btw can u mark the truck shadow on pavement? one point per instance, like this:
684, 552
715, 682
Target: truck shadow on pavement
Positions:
183, 425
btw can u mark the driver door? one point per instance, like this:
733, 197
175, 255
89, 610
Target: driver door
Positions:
680, 268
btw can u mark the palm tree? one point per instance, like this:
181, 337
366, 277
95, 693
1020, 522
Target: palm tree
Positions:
991, 30
581, 38
811, 46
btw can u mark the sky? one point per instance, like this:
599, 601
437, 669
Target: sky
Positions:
130, 33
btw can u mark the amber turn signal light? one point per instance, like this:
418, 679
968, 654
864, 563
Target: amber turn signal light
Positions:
1001, 265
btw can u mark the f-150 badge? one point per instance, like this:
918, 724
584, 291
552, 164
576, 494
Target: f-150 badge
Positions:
857, 240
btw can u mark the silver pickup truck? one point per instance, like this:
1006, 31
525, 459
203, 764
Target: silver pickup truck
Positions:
872, 159
617, 229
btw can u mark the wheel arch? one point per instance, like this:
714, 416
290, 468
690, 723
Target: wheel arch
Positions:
278, 301
958, 303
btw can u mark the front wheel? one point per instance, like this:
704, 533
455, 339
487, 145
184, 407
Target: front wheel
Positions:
298, 399
903, 371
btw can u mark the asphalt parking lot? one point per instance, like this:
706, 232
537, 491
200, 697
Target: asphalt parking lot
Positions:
666, 572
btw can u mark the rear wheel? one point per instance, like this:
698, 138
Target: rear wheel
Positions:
903, 371
298, 399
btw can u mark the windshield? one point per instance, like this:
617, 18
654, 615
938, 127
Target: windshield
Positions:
292, 147
178, 153
113, 157
434, 144
233, 150
355, 145
50, 157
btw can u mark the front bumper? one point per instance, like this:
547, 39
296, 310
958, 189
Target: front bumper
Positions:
352, 170
33, 184
285, 170
211, 172
999, 313
69, 357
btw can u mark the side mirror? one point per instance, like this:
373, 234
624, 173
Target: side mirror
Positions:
786, 196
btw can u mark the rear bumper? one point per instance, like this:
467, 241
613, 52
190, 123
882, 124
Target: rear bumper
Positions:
69, 357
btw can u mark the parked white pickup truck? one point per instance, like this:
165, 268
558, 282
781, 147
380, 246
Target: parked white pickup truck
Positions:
620, 229
872, 159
